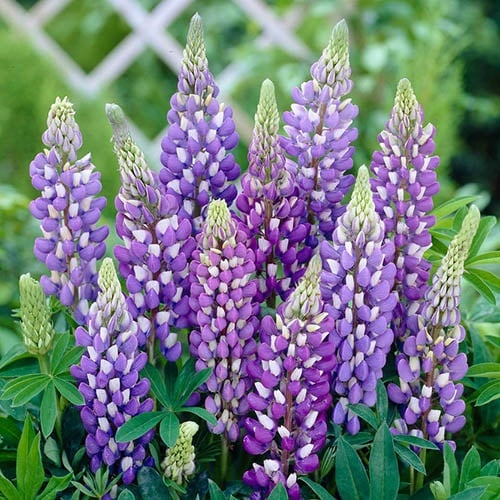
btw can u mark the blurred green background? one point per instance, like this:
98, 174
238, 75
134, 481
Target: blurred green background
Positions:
447, 48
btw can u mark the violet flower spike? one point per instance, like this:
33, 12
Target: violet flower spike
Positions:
357, 287
108, 374
156, 246
196, 158
403, 185
271, 209
430, 365
291, 391
223, 298
71, 242
319, 134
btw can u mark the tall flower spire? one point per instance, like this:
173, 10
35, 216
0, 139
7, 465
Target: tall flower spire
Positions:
223, 299
430, 365
319, 132
108, 374
271, 208
403, 184
291, 391
356, 287
196, 158
71, 243
156, 245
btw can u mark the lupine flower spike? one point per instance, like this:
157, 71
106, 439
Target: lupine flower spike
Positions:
156, 243
36, 321
320, 132
271, 208
223, 298
403, 185
69, 212
357, 289
196, 158
291, 394
179, 463
108, 376
430, 363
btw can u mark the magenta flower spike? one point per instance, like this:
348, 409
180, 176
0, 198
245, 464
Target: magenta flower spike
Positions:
108, 376
319, 134
223, 299
156, 246
291, 390
403, 185
356, 286
196, 158
69, 211
430, 365
272, 211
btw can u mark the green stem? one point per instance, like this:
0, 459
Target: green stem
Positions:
419, 482
43, 361
223, 462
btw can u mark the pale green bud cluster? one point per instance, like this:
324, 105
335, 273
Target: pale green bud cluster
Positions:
36, 322
194, 53
179, 463
406, 114
219, 225
267, 118
110, 294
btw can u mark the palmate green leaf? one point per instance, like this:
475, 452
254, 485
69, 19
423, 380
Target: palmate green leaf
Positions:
22, 389
409, 457
383, 466
438, 491
492, 280
480, 285
350, 474
9, 431
471, 467
484, 258
415, 441
365, 413
469, 494
188, 381
320, 492
126, 495
69, 391
450, 471
157, 385
382, 401
200, 412
29, 469
16, 352
215, 492
278, 493
169, 428
54, 486
71, 357
486, 224
138, 426
491, 468
359, 440
7, 489
48, 410
61, 342
151, 484
487, 370
448, 207
488, 393
492, 484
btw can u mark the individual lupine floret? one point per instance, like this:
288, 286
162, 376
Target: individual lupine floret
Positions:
291, 392
430, 365
36, 317
108, 376
223, 299
271, 209
320, 132
178, 463
156, 245
69, 212
357, 287
196, 161
403, 185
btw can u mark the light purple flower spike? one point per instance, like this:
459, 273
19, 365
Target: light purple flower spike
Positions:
108, 374
69, 212
291, 391
320, 132
196, 158
357, 287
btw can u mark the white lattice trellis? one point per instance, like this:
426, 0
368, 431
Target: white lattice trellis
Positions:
149, 30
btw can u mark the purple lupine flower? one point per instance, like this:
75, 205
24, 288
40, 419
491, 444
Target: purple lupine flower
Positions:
403, 185
271, 208
430, 365
69, 212
223, 298
196, 161
291, 395
357, 289
319, 133
108, 374
156, 246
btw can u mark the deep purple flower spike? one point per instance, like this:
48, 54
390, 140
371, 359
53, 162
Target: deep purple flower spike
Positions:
272, 211
403, 185
156, 246
196, 158
357, 287
69, 212
108, 374
320, 132
291, 392
223, 298
430, 365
